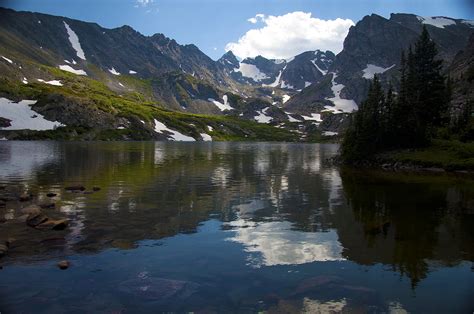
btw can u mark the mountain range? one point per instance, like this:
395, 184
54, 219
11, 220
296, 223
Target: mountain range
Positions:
98, 83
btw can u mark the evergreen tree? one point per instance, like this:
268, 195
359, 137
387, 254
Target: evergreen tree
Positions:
405, 121
363, 138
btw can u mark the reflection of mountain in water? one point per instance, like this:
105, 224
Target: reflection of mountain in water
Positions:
283, 202
409, 222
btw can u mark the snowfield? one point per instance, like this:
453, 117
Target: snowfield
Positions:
251, 71
277, 80
23, 117
437, 21
53, 82
206, 137
8, 60
285, 85
323, 72
113, 71
222, 106
74, 40
340, 104
371, 70
262, 117
314, 117
285, 98
290, 118
70, 69
175, 135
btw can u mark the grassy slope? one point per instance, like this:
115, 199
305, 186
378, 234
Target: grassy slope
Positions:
449, 155
97, 95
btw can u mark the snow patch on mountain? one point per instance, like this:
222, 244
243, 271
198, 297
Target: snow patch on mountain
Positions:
222, 106
468, 22
262, 117
113, 71
24, 80
8, 60
437, 21
132, 72
285, 98
206, 137
74, 40
290, 118
329, 133
53, 82
323, 72
23, 117
277, 80
313, 117
285, 85
340, 104
371, 70
175, 135
251, 71
72, 70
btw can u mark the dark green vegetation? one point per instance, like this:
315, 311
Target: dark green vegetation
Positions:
413, 118
449, 155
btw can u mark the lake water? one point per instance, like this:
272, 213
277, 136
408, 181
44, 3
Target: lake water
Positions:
231, 227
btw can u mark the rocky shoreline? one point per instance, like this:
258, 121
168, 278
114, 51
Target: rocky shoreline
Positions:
391, 165
33, 219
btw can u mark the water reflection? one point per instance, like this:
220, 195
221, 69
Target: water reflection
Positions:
258, 226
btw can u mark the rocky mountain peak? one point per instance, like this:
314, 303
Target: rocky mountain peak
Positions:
229, 59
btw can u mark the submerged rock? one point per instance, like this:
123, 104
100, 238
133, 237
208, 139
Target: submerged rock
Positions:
52, 224
159, 289
25, 197
123, 244
64, 264
75, 188
95, 189
51, 194
47, 205
36, 219
4, 246
31, 210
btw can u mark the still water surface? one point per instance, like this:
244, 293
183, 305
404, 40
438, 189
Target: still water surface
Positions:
232, 227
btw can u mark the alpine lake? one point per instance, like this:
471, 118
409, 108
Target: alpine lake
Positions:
229, 227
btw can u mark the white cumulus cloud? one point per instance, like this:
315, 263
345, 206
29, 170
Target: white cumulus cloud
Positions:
143, 3
290, 34
256, 18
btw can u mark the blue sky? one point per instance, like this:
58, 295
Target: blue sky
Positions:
212, 24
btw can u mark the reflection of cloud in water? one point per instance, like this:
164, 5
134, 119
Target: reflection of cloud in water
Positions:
220, 176
396, 308
334, 183
279, 245
159, 155
317, 307
247, 209
33, 156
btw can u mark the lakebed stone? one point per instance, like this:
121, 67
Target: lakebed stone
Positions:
53, 224
33, 220
25, 197
159, 289
75, 188
64, 264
